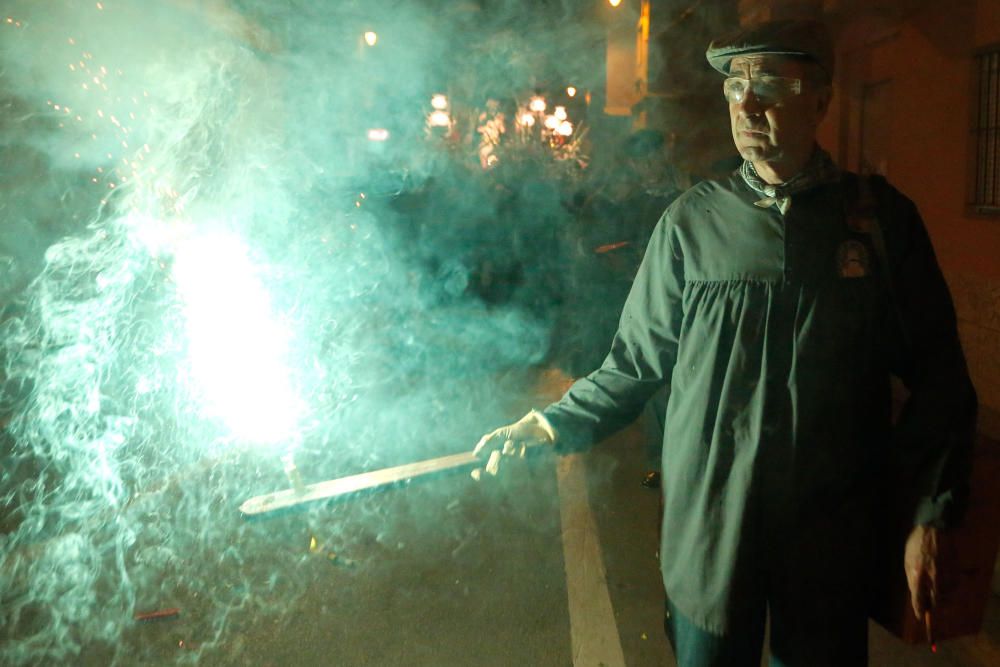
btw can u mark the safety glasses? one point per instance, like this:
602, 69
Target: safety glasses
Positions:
767, 89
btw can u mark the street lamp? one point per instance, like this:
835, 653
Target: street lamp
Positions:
371, 37
614, 3
440, 118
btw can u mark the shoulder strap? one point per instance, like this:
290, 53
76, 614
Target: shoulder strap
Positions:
862, 213
867, 206
861, 216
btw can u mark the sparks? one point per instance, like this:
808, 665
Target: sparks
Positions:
230, 322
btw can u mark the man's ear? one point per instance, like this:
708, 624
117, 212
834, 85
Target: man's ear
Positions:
823, 100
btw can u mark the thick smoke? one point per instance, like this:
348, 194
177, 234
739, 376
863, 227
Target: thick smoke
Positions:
206, 265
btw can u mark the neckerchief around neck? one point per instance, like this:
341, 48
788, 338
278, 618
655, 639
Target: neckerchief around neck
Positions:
820, 169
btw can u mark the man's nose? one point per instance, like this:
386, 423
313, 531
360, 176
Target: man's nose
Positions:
751, 104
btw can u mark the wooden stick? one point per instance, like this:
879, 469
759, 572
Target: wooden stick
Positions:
342, 486
367, 481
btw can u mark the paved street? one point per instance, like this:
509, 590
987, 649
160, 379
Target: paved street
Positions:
451, 572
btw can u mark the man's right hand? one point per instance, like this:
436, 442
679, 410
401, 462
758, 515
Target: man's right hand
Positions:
512, 440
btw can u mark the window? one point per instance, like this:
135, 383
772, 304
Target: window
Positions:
985, 195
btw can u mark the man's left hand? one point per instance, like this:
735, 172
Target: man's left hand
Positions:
921, 562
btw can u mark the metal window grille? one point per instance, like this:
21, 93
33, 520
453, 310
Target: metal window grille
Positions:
986, 186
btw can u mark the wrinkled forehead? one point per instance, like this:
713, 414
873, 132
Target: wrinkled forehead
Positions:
776, 65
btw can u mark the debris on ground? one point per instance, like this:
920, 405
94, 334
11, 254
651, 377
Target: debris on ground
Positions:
156, 615
608, 247
320, 550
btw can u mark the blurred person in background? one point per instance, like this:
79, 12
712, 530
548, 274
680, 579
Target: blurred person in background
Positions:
613, 220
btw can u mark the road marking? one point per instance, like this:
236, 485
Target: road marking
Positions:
593, 629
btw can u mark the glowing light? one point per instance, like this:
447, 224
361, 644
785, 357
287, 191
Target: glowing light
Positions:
371, 38
565, 128
614, 3
560, 113
238, 349
528, 119
571, 91
439, 101
551, 122
147, 347
440, 119
378, 134
537, 104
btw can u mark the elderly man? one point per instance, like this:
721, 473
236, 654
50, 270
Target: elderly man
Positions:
775, 304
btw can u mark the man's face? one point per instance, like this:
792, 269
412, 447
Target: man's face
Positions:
782, 127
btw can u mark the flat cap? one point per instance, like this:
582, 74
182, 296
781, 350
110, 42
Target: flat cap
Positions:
795, 38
